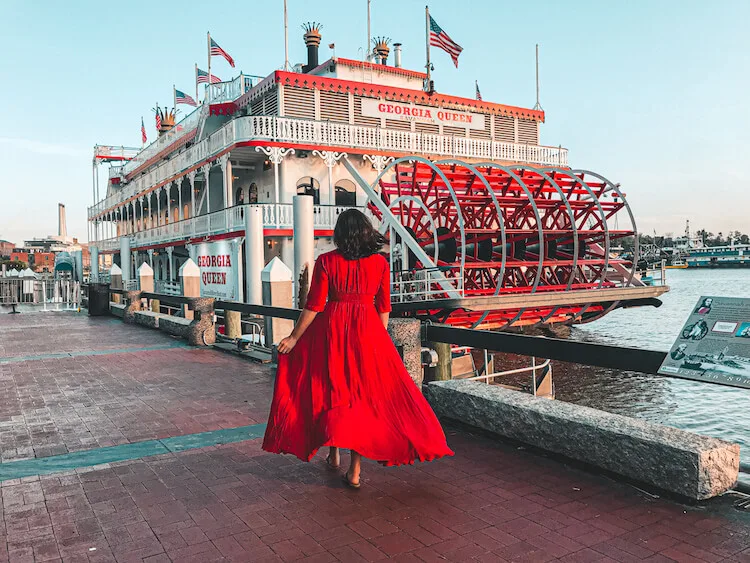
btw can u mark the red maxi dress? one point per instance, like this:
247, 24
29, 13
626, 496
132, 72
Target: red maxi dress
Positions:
344, 383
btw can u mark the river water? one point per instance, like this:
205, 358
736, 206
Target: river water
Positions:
708, 409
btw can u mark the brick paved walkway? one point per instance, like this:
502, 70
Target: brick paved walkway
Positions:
491, 502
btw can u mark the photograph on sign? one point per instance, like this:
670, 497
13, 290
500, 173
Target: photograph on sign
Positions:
712, 346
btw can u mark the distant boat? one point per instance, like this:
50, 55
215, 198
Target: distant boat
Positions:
728, 256
677, 265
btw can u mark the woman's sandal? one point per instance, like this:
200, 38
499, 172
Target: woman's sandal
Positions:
331, 465
348, 483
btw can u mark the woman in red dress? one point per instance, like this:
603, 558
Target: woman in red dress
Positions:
340, 381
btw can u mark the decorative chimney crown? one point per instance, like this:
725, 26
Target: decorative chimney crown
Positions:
312, 33
381, 47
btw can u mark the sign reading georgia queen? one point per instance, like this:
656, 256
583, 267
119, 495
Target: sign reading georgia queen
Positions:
412, 112
218, 265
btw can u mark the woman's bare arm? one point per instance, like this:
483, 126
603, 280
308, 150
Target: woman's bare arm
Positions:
304, 321
384, 318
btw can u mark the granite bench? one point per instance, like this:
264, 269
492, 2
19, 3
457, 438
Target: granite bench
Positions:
148, 318
686, 464
117, 309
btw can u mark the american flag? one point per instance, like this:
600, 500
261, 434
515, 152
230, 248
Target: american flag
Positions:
217, 51
202, 77
143, 132
158, 119
479, 94
181, 97
438, 38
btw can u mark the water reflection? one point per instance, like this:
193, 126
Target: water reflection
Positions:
704, 408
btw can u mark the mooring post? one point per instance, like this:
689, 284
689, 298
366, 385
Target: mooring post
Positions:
115, 281
443, 371
278, 291
232, 324
190, 283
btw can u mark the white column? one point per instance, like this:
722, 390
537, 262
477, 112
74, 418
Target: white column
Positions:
226, 183
276, 155
158, 206
304, 238
254, 253
180, 214
191, 179
125, 257
94, 268
330, 158
170, 258
207, 186
151, 257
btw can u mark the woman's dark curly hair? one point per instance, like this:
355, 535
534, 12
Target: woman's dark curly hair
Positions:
355, 237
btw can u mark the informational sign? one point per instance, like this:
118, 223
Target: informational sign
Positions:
219, 264
411, 112
714, 344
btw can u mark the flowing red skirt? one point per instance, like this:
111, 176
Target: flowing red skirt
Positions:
344, 385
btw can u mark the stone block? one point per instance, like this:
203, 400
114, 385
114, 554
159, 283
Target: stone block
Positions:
133, 300
147, 319
406, 336
202, 330
117, 309
689, 465
176, 326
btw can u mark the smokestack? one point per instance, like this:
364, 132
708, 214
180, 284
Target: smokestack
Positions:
62, 228
397, 55
312, 40
382, 49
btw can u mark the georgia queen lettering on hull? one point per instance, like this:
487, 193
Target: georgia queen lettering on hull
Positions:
411, 112
222, 261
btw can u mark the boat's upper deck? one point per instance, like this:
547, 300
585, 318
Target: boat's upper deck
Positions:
346, 105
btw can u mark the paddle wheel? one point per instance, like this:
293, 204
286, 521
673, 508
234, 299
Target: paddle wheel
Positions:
490, 230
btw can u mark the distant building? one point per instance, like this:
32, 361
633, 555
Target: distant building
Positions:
43, 262
19, 256
6, 248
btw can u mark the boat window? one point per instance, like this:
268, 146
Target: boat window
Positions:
309, 186
346, 193
239, 197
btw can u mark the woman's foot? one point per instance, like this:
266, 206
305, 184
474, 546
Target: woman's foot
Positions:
351, 477
332, 459
351, 482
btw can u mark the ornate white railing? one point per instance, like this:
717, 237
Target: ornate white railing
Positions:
182, 128
324, 133
275, 216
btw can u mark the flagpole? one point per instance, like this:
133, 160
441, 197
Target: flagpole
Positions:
208, 84
427, 44
196, 83
538, 106
174, 99
286, 39
369, 36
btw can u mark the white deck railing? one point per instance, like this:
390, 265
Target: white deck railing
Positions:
275, 216
322, 133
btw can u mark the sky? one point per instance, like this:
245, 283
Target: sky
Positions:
650, 94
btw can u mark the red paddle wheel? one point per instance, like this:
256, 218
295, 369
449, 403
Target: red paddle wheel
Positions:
491, 230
